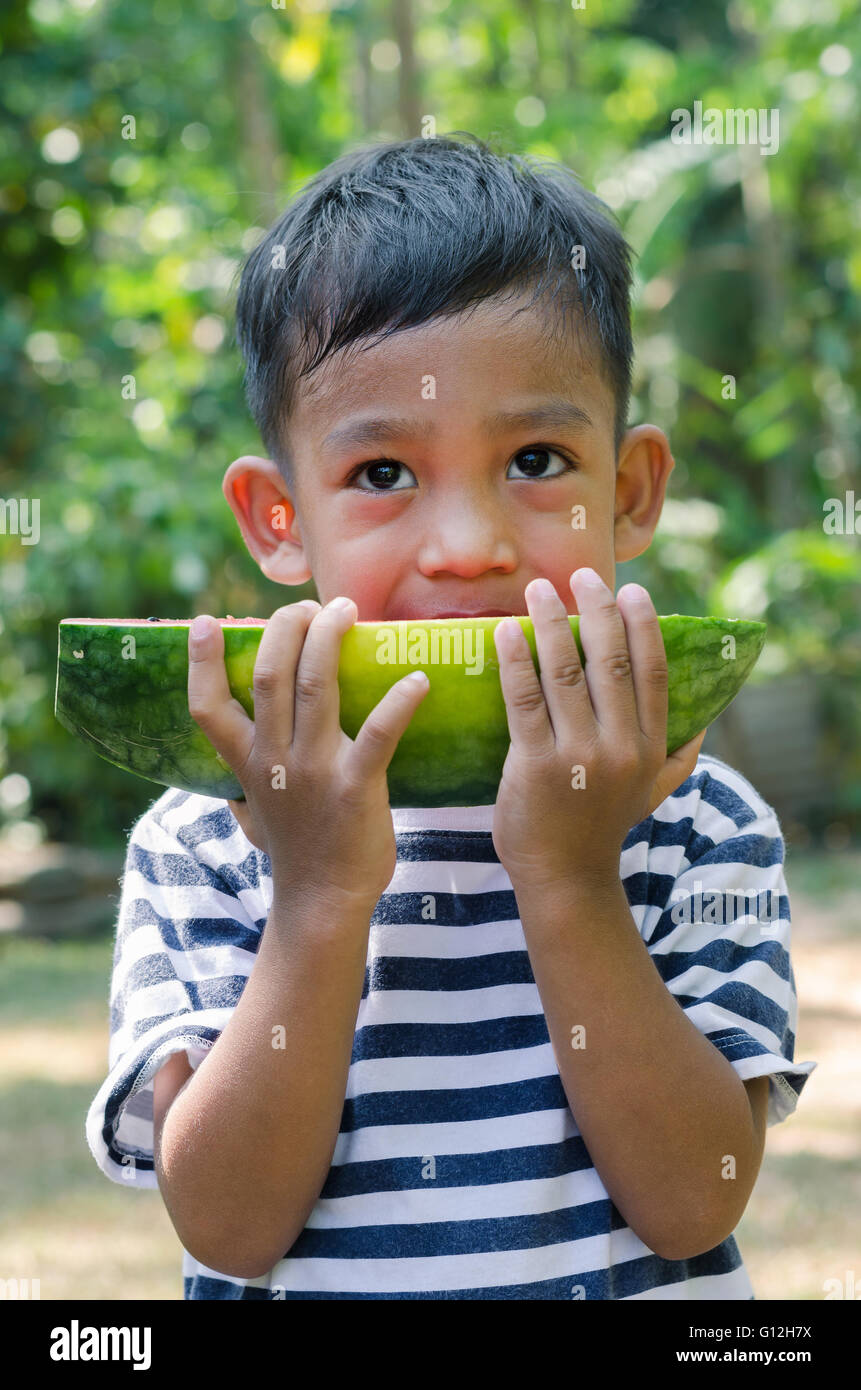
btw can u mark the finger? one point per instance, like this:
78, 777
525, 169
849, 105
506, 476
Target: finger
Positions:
676, 770
648, 659
525, 706
608, 661
318, 699
210, 702
561, 672
375, 743
275, 669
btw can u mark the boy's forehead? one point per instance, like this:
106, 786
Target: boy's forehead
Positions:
491, 352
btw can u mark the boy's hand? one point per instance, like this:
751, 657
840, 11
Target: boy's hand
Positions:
317, 802
603, 729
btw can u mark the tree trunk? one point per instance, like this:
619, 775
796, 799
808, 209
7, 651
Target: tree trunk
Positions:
262, 160
565, 38
409, 104
784, 473
530, 13
363, 81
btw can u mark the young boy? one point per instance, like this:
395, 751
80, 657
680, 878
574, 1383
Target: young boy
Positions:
485, 1051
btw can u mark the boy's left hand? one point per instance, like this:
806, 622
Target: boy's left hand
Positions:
609, 720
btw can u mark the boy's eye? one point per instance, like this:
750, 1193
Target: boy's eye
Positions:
384, 474
533, 464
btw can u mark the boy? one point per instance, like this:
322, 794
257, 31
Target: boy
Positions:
483, 1051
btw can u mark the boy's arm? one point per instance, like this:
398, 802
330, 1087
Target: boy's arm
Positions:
757, 1094
669, 1125
243, 1145
166, 1086
654, 1090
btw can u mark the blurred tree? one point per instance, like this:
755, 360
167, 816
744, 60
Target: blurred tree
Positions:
144, 150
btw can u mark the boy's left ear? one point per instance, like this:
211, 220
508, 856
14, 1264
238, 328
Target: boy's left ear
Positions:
644, 467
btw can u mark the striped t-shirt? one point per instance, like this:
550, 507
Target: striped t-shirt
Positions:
459, 1170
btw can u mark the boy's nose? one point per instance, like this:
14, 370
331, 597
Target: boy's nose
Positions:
466, 538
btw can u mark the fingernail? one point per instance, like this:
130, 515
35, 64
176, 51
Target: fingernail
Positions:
200, 629
541, 589
504, 632
341, 602
590, 578
638, 593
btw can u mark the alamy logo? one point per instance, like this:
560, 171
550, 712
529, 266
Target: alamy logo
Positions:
735, 126
20, 518
720, 908
20, 1288
76, 1343
435, 646
842, 516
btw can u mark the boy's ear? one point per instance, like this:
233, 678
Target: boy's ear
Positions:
257, 495
644, 467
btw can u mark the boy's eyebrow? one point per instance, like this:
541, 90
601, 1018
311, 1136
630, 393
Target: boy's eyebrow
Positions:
552, 414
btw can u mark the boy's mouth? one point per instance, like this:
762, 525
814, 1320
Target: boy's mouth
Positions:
429, 615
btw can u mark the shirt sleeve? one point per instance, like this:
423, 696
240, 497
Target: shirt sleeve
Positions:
192, 909
721, 936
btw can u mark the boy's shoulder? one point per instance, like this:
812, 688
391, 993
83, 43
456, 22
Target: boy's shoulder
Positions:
187, 818
727, 790
182, 825
715, 804
188, 859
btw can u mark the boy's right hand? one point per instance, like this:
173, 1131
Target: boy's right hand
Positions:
326, 824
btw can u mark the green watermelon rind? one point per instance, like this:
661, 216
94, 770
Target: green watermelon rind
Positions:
134, 710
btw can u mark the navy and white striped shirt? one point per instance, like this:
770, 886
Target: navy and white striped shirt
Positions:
459, 1171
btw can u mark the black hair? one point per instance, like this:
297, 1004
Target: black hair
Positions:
391, 235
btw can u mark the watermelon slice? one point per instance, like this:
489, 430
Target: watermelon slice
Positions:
122, 685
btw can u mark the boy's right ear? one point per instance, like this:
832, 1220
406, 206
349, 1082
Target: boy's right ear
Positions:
257, 495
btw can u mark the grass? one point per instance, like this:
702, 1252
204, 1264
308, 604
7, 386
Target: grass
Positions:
63, 1222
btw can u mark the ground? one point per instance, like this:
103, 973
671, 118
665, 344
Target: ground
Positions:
83, 1237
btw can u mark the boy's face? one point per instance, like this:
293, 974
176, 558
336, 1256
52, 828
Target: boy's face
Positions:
469, 507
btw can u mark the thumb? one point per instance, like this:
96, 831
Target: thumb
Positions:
676, 769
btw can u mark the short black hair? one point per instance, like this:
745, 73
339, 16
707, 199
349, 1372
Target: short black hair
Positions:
391, 235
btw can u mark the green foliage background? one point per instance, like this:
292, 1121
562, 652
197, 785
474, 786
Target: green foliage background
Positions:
120, 258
